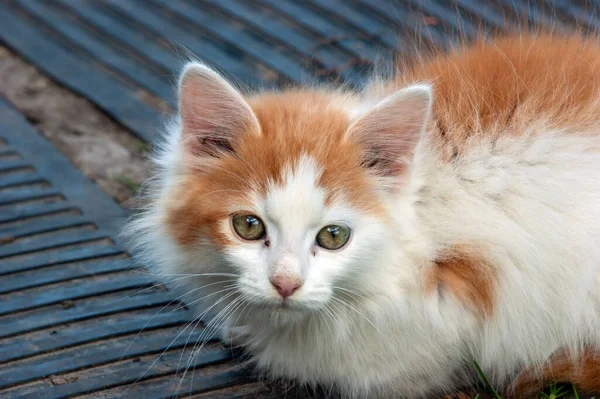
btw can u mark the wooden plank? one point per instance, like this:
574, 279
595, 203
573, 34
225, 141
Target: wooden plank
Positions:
13, 165
488, 13
332, 32
53, 166
265, 24
57, 256
147, 44
234, 63
530, 14
20, 179
49, 242
69, 291
102, 352
280, 60
372, 28
585, 17
159, 381
100, 49
83, 332
194, 382
60, 273
8, 234
448, 15
73, 70
26, 193
31, 209
81, 309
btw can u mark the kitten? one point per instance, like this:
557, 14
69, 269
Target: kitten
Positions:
379, 242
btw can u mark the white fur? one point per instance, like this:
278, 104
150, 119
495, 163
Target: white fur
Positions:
361, 322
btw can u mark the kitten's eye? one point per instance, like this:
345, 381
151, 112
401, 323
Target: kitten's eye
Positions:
333, 237
248, 227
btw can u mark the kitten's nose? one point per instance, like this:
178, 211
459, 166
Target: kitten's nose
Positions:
285, 287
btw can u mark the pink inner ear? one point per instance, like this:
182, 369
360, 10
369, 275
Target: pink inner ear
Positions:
213, 113
390, 132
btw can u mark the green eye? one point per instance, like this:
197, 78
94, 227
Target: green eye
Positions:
333, 237
248, 227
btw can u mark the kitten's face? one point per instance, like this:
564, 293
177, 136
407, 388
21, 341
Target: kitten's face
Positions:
286, 191
309, 244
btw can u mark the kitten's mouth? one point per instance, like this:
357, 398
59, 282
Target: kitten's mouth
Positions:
288, 306
284, 306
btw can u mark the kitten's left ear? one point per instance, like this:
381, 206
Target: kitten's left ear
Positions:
391, 130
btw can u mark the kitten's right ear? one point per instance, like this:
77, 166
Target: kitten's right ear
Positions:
213, 113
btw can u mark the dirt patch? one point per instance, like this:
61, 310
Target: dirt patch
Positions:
102, 149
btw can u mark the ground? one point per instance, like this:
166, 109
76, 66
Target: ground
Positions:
102, 149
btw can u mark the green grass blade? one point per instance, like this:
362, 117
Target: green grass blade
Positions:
575, 392
486, 382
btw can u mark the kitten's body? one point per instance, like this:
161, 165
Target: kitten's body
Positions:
482, 244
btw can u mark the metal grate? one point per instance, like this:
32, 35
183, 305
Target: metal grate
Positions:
77, 316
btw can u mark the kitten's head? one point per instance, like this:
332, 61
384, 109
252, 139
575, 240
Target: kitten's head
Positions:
290, 191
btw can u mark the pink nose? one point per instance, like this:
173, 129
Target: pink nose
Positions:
285, 287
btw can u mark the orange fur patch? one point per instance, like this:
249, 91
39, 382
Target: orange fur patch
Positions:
582, 371
500, 86
292, 124
465, 274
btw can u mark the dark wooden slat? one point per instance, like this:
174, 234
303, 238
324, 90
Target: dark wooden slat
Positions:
137, 40
333, 60
408, 22
13, 165
166, 388
533, 15
7, 152
488, 13
50, 241
99, 353
285, 64
116, 98
68, 291
252, 390
372, 28
19, 179
21, 323
63, 272
588, 17
122, 375
100, 49
266, 24
40, 226
326, 28
233, 64
32, 209
57, 256
87, 331
448, 14
26, 193
53, 166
